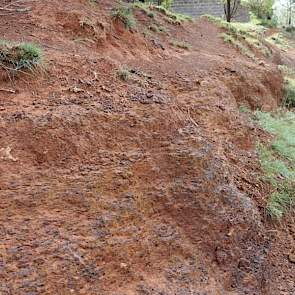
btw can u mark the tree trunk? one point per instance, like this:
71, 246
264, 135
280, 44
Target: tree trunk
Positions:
228, 16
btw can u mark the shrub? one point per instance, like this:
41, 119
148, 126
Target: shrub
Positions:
262, 9
167, 3
125, 15
18, 57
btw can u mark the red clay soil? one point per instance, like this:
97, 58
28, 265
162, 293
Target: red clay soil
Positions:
149, 186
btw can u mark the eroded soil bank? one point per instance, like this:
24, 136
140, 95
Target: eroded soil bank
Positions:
145, 186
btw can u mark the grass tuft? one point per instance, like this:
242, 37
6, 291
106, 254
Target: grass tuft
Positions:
17, 57
125, 15
124, 74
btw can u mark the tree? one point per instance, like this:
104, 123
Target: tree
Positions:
262, 9
230, 9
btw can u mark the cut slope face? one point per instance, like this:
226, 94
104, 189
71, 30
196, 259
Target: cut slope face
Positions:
148, 186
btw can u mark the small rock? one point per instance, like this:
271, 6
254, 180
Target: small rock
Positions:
291, 258
76, 89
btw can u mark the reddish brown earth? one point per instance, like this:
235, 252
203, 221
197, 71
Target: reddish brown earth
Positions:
150, 186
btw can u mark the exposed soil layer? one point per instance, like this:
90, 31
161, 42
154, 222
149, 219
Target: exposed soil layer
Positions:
148, 186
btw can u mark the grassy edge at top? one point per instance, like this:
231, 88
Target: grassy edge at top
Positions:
278, 160
243, 36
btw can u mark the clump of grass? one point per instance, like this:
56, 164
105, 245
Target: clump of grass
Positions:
279, 203
180, 44
18, 57
123, 73
125, 15
289, 92
278, 161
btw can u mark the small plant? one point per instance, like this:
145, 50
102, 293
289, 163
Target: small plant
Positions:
124, 74
18, 57
125, 15
180, 44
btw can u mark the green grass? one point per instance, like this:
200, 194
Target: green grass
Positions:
289, 85
244, 36
125, 15
18, 57
289, 92
278, 160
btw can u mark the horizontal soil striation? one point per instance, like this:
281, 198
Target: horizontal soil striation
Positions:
149, 186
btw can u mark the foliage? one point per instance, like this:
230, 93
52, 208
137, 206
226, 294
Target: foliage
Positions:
167, 3
262, 9
278, 160
17, 57
125, 15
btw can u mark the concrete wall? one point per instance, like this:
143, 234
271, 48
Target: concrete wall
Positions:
196, 8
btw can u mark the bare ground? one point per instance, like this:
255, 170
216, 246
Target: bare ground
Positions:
150, 186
